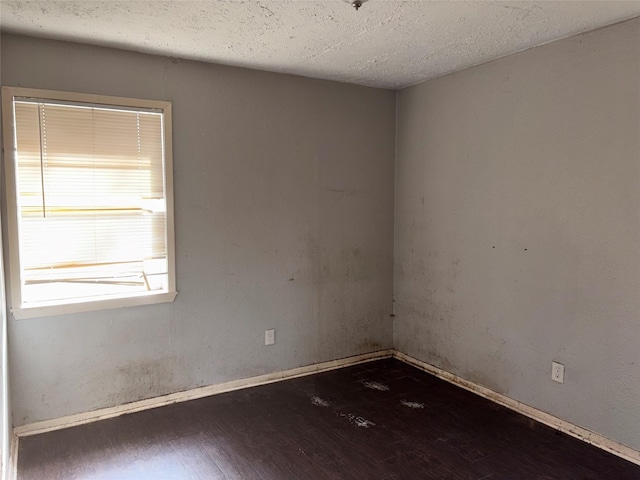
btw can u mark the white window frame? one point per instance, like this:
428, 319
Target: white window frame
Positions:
44, 309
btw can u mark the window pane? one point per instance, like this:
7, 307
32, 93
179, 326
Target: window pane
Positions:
92, 208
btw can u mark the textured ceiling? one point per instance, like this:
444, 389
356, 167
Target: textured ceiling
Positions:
386, 43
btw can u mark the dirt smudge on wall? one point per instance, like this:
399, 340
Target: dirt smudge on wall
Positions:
138, 381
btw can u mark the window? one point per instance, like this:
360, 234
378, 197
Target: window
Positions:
90, 203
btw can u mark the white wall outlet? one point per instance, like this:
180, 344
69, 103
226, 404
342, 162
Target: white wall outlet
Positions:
557, 372
269, 337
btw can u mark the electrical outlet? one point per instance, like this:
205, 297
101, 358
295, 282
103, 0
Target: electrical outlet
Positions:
269, 337
557, 372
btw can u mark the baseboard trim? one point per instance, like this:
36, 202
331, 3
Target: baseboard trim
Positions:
111, 412
576, 431
11, 472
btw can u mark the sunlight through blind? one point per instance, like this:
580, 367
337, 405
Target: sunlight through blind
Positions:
91, 194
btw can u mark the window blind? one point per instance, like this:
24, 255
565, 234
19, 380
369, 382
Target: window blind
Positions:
91, 194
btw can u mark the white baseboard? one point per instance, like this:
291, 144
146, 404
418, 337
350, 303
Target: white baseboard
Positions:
576, 431
11, 470
104, 413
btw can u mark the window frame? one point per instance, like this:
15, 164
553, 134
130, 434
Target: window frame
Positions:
62, 307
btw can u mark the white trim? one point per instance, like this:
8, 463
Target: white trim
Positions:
580, 433
11, 470
89, 98
9, 153
104, 413
576, 431
39, 311
22, 311
167, 145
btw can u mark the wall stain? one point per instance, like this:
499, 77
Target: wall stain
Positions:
370, 346
343, 192
137, 381
481, 378
350, 265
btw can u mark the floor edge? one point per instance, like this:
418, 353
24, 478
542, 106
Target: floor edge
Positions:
215, 389
592, 438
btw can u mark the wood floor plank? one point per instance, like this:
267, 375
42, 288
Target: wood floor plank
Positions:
382, 420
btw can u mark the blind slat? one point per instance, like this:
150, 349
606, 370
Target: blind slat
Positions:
91, 193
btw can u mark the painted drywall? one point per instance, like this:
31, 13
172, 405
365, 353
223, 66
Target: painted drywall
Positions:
517, 227
5, 401
284, 219
5, 405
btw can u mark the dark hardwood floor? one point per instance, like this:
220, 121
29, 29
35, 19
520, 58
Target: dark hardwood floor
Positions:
382, 420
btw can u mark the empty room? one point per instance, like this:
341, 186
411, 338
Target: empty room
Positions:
320, 239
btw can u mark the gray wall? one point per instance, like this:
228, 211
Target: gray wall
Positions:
284, 219
517, 230
5, 401
517, 227
5, 404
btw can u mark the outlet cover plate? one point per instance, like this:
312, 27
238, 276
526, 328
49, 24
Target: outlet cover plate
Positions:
557, 372
269, 337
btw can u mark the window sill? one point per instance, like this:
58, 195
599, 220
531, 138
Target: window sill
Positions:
48, 310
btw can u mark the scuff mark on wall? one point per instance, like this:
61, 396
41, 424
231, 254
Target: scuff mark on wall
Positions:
137, 381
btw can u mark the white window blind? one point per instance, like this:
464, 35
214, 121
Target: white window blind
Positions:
91, 200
